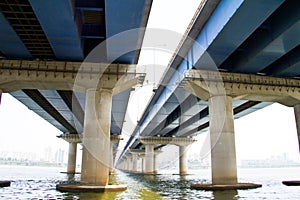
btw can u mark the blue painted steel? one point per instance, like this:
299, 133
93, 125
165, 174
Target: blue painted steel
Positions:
280, 37
230, 25
57, 20
122, 16
10, 43
291, 71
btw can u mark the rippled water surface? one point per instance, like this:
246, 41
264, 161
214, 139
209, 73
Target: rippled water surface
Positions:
40, 182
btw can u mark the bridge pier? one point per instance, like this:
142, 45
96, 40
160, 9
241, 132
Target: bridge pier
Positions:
149, 152
113, 139
220, 88
142, 164
96, 137
111, 164
150, 141
223, 155
183, 167
297, 118
73, 140
134, 162
96, 153
0, 95
71, 168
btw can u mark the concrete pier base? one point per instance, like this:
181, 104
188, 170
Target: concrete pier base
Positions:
90, 188
4, 183
238, 186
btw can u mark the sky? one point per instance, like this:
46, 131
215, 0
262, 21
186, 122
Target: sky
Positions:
268, 132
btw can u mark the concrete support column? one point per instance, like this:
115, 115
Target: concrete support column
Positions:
96, 137
128, 163
149, 158
155, 162
111, 166
297, 117
223, 155
143, 164
0, 96
183, 168
134, 162
71, 169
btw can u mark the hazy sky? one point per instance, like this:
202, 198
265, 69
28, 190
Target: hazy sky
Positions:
23, 130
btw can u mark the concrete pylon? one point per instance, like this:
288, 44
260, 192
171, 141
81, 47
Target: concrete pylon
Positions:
134, 162
142, 164
183, 167
129, 162
149, 158
96, 137
71, 168
297, 117
0, 96
223, 155
179, 141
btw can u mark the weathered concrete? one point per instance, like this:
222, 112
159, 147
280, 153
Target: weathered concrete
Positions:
0, 96
149, 159
96, 137
134, 162
60, 75
205, 84
223, 156
183, 168
143, 167
179, 141
90, 188
297, 117
71, 168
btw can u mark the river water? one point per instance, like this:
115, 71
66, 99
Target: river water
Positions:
40, 182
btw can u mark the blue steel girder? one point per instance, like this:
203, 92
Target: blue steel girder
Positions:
273, 39
286, 66
122, 16
10, 43
57, 20
162, 111
183, 111
229, 26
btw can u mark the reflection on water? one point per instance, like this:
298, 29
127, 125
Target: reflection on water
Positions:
40, 183
228, 194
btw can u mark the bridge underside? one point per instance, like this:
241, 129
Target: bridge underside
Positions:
245, 37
